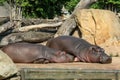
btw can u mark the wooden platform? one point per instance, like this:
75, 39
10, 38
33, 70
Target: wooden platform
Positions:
115, 65
71, 71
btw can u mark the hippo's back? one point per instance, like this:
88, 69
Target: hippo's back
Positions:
67, 41
21, 52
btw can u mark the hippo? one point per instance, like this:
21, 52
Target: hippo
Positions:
80, 48
34, 53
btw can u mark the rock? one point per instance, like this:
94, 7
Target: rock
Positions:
7, 67
30, 36
15, 78
100, 26
4, 13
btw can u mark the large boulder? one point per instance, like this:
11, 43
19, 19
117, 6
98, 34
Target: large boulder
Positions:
4, 13
101, 27
7, 67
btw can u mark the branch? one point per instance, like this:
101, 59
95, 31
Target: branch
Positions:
27, 28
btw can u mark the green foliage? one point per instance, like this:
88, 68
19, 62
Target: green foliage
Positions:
1, 2
42, 8
99, 5
102, 3
70, 5
50, 8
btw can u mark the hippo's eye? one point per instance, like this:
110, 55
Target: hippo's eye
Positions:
101, 51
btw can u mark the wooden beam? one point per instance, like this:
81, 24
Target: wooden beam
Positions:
115, 65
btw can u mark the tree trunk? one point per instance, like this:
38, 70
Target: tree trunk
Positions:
27, 28
16, 13
69, 25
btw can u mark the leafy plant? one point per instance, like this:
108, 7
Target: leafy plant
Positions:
50, 8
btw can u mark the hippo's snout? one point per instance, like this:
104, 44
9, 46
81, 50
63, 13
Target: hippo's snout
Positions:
105, 60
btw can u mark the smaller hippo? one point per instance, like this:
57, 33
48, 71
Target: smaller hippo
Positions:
33, 53
80, 48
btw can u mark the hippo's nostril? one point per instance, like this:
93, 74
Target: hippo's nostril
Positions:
109, 60
106, 60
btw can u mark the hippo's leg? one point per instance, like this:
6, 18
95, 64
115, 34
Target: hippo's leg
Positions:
41, 60
76, 59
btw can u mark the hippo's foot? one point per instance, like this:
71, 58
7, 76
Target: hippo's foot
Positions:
76, 59
41, 60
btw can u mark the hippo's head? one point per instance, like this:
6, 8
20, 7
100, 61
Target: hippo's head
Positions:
97, 54
62, 57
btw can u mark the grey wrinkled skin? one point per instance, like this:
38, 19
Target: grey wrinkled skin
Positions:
80, 48
33, 53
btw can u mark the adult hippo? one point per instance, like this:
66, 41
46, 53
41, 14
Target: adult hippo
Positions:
80, 48
33, 53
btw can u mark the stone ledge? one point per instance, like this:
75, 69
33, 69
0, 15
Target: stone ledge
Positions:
115, 65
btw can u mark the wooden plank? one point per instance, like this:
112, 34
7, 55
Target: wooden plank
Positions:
71, 71
38, 73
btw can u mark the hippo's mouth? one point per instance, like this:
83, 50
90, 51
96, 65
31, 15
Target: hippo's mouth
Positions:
105, 60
